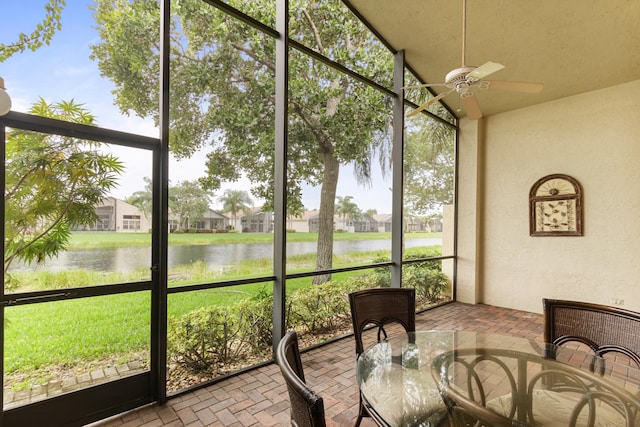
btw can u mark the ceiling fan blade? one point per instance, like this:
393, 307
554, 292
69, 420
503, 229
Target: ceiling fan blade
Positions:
484, 70
471, 106
514, 86
429, 102
424, 85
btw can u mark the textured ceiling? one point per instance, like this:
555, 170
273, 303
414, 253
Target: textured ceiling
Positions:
571, 46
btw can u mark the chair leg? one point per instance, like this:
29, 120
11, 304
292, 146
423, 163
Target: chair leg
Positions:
362, 412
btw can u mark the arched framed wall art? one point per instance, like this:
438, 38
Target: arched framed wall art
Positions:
555, 206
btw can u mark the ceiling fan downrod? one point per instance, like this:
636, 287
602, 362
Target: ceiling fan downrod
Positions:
464, 30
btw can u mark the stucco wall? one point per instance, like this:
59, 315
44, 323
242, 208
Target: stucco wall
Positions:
594, 137
122, 209
468, 228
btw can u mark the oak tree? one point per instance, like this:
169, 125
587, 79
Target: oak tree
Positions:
222, 93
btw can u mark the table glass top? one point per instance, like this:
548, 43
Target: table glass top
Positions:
397, 381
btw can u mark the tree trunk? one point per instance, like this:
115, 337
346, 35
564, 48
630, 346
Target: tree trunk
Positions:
324, 255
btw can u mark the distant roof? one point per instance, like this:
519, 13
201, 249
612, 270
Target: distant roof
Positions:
382, 217
306, 215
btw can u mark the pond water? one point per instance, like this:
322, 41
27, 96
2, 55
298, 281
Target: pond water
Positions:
129, 259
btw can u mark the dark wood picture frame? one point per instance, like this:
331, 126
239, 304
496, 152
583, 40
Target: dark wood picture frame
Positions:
555, 206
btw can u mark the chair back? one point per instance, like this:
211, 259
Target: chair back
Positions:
604, 329
379, 307
307, 407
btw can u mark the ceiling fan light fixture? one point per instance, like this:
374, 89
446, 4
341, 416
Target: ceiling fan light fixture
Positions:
463, 88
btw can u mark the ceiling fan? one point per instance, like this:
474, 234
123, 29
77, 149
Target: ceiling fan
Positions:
464, 79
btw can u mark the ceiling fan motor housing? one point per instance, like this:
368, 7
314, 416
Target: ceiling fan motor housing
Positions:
458, 75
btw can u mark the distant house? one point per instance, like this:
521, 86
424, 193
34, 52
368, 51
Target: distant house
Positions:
366, 224
309, 221
412, 223
211, 220
384, 222
314, 221
262, 222
256, 221
302, 223
117, 215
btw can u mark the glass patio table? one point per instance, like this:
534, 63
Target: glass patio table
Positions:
438, 378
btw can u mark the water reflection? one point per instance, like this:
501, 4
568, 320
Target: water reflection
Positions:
130, 259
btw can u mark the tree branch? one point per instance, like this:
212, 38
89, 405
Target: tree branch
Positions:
9, 260
10, 193
243, 49
323, 141
316, 35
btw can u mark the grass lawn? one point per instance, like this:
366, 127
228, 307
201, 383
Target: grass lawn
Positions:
79, 332
93, 240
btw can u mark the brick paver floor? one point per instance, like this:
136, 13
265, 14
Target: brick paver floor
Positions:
259, 397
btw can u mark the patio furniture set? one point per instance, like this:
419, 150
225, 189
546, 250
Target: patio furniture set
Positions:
586, 372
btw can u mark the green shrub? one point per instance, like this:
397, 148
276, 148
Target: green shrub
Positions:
200, 338
315, 308
324, 308
428, 283
429, 252
256, 318
210, 336
381, 276
426, 277
213, 336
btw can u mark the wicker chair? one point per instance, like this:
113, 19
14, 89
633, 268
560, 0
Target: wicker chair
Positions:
604, 329
307, 407
468, 376
380, 307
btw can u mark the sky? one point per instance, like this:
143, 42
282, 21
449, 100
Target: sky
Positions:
64, 71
